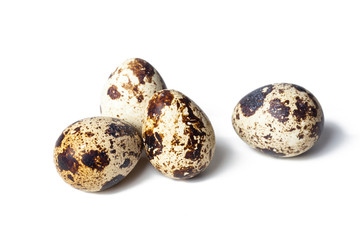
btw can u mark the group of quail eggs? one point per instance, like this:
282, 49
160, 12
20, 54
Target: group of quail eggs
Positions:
139, 112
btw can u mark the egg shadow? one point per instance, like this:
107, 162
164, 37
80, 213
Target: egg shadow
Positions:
140, 173
331, 139
220, 162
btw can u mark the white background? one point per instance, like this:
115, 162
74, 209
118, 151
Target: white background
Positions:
55, 57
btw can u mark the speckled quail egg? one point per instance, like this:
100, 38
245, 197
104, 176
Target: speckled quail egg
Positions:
96, 153
281, 119
128, 90
178, 137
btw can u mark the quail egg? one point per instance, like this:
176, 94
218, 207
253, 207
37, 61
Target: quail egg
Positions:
127, 91
281, 119
94, 154
178, 137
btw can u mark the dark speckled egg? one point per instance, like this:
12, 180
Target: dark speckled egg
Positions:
96, 153
178, 137
282, 119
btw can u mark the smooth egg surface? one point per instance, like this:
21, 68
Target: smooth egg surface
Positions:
178, 137
280, 119
127, 91
94, 154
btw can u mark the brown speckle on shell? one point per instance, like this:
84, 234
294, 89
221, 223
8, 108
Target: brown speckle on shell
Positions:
157, 102
279, 110
113, 92
303, 110
153, 142
268, 136
126, 163
89, 134
184, 172
95, 159
254, 100
141, 69
70, 177
133, 89
117, 130
66, 160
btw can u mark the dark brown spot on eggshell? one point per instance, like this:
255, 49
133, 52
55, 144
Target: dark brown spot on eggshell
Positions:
96, 160
89, 134
279, 110
268, 137
184, 172
126, 163
67, 161
303, 110
141, 69
140, 98
113, 92
153, 142
129, 85
193, 153
254, 100
311, 96
133, 89
70, 177
300, 136
158, 102
117, 130
77, 130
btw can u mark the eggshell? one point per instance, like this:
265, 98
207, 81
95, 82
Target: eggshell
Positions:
96, 153
127, 91
281, 119
178, 137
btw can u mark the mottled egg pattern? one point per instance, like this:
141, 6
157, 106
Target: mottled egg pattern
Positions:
178, 136
96, 153
128, 90
282, 119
